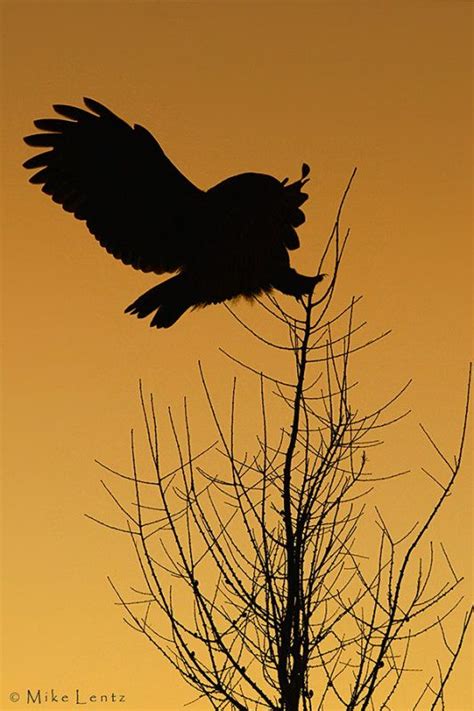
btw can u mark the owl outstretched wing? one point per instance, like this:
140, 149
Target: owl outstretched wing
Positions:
117, 179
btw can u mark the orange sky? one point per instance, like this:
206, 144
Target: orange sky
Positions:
226, 88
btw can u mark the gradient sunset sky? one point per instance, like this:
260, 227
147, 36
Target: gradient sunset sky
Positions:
225, 87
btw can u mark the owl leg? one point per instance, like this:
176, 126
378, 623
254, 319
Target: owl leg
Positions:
294, 284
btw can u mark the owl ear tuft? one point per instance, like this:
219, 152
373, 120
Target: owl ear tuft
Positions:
305, 169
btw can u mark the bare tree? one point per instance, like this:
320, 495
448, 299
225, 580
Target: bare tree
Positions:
282, 611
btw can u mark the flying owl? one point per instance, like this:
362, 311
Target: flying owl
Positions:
228, 241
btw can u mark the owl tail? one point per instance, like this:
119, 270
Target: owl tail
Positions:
170, 300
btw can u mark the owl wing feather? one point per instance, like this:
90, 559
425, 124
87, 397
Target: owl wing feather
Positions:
117, 178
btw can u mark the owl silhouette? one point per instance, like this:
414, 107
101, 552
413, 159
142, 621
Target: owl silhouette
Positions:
228, 241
